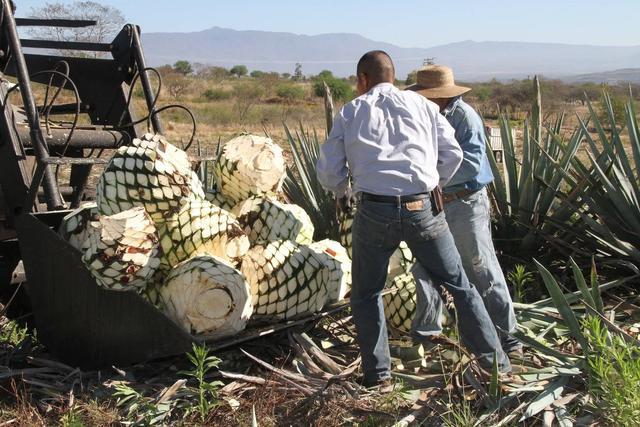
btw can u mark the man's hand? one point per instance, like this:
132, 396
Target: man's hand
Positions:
347, 203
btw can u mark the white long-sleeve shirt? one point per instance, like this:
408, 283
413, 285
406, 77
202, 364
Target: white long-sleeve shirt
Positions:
394, 143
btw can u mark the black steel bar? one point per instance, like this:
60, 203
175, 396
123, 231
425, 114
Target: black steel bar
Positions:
66, 23
52, 195
54, 44
82, 138
66, 108
81, 174
144, 78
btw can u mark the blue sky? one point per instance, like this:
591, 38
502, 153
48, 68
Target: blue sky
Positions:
407, 23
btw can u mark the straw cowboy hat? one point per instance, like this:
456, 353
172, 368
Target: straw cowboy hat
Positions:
436, 81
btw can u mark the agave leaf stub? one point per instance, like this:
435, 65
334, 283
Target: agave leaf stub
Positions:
206, 296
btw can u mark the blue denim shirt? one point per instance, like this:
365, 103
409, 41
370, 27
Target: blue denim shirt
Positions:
475, 170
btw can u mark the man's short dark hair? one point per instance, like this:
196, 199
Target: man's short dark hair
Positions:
377, 66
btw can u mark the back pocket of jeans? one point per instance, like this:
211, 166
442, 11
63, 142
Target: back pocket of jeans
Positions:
429, 227
369, 230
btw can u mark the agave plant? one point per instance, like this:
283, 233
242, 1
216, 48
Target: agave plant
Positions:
605, 188
524, 194
303, 188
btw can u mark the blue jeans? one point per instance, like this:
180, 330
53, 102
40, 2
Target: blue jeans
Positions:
470, 224
378, 229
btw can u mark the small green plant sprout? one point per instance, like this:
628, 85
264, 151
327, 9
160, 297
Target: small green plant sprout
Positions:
519, 278
142, 410
205, 391
614, 373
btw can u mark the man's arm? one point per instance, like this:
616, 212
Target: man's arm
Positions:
332, 164
449, 151
470, 135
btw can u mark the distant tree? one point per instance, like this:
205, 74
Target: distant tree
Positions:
183, 67
239, 70
297, 74
218, 74
257, 74
109, 20
246, 95
291, 95
285, 76
340, 88
411, 78
176, 84
325, 75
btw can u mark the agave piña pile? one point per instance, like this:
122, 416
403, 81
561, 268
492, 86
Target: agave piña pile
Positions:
157, 232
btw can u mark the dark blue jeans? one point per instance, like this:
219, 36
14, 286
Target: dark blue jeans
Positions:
378, 229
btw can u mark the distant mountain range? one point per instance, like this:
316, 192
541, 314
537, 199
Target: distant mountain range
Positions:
471, 61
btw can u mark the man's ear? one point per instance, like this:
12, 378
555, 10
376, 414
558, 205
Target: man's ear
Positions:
363, 84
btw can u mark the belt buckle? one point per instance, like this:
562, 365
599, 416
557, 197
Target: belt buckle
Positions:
416, 205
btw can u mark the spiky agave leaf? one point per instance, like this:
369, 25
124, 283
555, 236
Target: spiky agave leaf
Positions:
121, 251
249, 165
151, 173
400, 303
286, 279
206, 296
265, 220
199, 227
303, 188
337, 259
74, 226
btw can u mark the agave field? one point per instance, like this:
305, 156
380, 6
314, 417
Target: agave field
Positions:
251, 242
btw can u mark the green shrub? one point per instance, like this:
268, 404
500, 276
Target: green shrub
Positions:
216, 94
290, 92
340, 89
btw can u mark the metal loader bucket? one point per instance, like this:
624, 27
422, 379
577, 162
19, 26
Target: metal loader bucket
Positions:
81, 323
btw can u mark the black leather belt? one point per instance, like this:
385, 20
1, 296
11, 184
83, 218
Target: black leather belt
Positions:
450, 197
394, 199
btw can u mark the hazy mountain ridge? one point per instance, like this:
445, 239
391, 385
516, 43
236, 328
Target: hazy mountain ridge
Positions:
279, 51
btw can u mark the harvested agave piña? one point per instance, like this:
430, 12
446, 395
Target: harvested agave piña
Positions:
200, 227
335, 257
151, 173
400, 304
74, 226
121, 250
286, 279
206, 296
214, 196
265, 220
249, 165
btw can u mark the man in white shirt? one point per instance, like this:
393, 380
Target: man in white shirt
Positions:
398, 148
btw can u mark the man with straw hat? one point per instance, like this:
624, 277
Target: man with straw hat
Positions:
466, 207
398, 148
